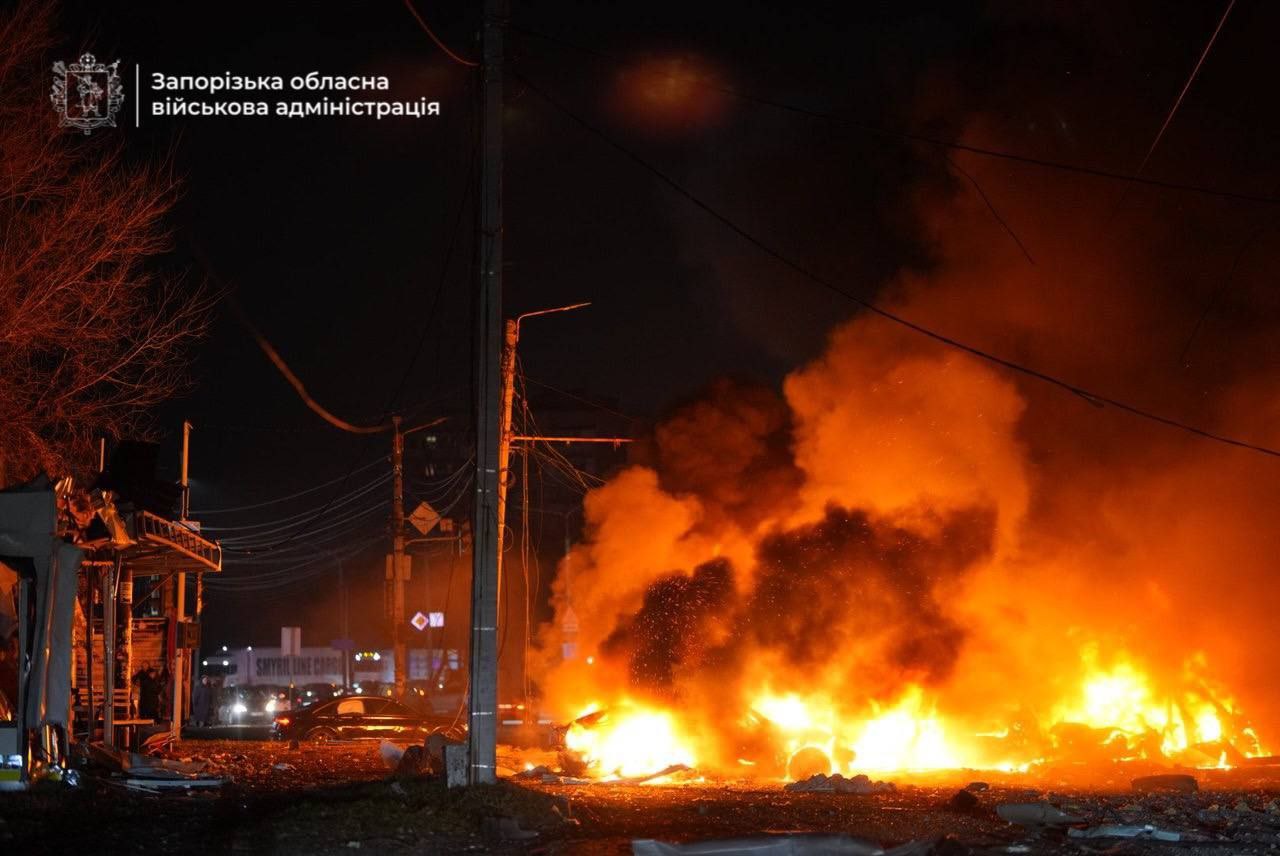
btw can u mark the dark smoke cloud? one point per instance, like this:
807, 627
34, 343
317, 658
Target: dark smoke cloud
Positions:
730, 447
849, 579
848, 582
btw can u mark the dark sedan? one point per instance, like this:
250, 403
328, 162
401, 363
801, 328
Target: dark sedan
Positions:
356, 717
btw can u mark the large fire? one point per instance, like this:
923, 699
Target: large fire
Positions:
908, 560
1115, 714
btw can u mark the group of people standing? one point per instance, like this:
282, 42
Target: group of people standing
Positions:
153, 696
153, 692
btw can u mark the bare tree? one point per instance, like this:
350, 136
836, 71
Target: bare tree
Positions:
91, 336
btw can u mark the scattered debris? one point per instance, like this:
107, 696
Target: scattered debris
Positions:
1169, 782
537, 773
544, 774
1035, 816
147, 774
859, 784
1147, 831
414, 762
977, 786
765, 845
507, 829
390, 754
963, 800
160, 743
283, 767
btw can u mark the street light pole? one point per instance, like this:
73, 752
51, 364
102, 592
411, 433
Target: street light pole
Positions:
511, 340
181, 664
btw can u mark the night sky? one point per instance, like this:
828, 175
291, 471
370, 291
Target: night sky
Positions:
333, 234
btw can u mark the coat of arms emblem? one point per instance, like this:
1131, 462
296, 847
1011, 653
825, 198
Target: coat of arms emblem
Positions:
87, 94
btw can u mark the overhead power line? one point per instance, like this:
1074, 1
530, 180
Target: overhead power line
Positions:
460, 60
923, 139
1183, 94
870, 306
297, 385
237, 508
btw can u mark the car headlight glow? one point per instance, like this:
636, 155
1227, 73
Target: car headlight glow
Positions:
239, 708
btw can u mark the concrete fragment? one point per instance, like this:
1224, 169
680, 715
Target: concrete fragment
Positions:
1146, 831
457, 764
859, 784
1035, 816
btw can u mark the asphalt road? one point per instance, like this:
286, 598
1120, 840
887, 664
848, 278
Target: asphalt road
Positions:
336, 798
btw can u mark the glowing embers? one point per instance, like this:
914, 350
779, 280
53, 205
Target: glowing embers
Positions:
627, 740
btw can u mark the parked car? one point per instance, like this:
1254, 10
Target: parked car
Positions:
355, 717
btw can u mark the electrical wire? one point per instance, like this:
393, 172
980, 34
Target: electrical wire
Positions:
244, 548
1183, 94
408, 4
1092, 397
282, 522
205, 512
582, 399
289, 575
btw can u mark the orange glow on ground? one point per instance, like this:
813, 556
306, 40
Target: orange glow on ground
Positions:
1118, 708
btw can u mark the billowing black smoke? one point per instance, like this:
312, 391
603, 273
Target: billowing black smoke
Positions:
849, 582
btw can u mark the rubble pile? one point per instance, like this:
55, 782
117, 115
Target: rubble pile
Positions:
859, 784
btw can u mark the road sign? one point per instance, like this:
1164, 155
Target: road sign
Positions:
424, 518
419, 621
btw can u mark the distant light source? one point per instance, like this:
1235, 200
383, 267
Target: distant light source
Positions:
204, 662
224, 649
226, 663
670, 94
250, 648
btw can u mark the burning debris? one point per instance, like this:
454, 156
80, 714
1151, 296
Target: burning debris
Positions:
784, 587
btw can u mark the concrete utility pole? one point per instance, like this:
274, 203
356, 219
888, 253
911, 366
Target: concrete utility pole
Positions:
399, 561
486, 526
